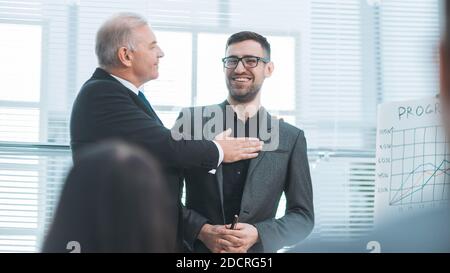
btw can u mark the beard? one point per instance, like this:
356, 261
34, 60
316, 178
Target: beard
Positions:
243, 97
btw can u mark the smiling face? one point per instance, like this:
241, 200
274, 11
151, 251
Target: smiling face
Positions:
244, 83
146, 55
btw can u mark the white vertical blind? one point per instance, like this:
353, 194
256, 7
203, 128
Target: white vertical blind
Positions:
344, 197
408, 52
185, 14
332, 94
265, 15
57, 88
30, 185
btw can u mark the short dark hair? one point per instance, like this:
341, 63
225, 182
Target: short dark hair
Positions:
250, 35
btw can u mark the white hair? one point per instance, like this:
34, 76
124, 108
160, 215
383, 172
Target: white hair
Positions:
115, 33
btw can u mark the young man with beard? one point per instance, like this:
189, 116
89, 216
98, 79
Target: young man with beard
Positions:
249, 189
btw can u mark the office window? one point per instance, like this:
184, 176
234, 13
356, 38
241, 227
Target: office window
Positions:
173, 89
21, 55
408, 51
210, 78
19, 124
334, 62
19, 208
30, 185
20, 52
279, 89
175, 70
332, 111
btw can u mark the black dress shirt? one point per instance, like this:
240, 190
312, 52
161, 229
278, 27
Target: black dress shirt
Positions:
235, 174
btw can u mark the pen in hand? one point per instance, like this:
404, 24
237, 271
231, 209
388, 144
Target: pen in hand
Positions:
235, 221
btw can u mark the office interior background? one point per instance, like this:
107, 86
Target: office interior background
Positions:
335, 61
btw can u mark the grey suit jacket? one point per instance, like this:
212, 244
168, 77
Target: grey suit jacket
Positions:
285, 169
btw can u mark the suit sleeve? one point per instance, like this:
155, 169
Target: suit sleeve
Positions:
192, 223
298, 220
192, 220
116, 114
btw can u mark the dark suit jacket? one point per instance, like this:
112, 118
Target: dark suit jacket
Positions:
285, 169
106, 109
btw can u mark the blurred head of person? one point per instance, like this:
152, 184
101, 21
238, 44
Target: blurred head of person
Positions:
445, 68
114, 200
127, 47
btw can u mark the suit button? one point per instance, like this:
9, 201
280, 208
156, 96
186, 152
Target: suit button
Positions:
238, 172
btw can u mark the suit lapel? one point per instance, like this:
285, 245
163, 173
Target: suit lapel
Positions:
219, 180
249, 187
149, 111
219, 172
254, 162
142, 105
104, 75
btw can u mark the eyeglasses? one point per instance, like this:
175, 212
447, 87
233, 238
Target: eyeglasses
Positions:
247, 61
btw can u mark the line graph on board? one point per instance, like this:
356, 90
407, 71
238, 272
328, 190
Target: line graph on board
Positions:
420, 169
413, 159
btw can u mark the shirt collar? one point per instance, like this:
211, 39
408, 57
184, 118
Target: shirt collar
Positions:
129, 85
226, 104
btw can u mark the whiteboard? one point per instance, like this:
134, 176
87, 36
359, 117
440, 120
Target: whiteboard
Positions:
412, 164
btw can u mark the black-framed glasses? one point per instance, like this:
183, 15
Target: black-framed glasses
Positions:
247, 61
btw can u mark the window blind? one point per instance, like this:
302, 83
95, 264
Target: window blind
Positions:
408, 49
332, 107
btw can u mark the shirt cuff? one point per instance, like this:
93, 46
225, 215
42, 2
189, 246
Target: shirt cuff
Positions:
213, 171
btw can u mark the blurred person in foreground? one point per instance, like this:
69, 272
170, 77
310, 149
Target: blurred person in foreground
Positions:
114, 200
